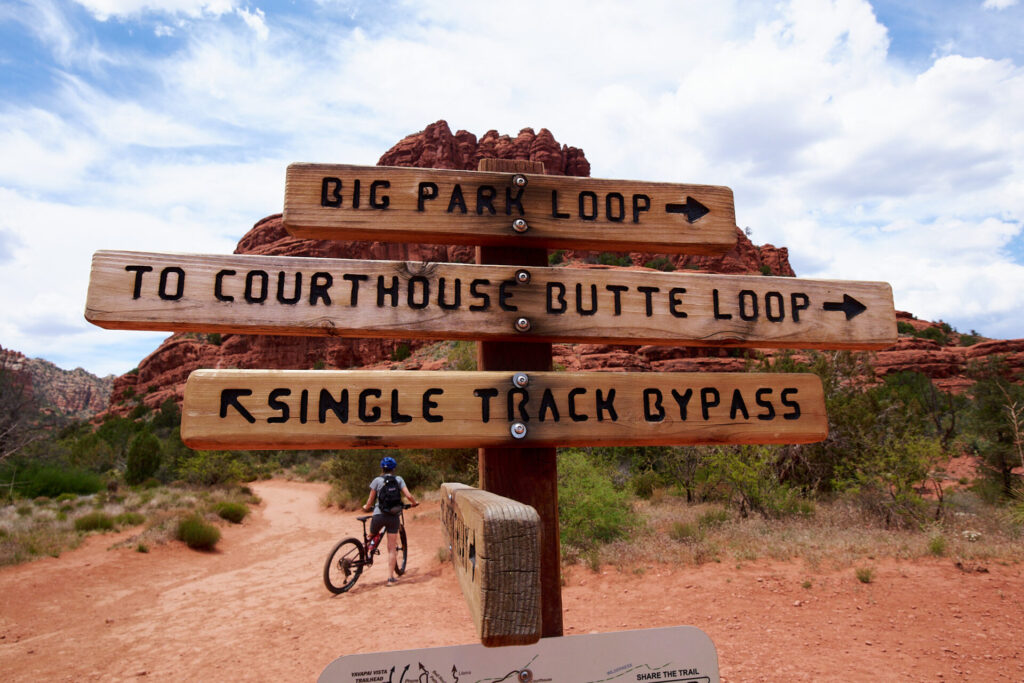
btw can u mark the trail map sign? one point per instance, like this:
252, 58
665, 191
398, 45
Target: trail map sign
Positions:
680, 654
338, 297
254, 409
327, 201
495, 547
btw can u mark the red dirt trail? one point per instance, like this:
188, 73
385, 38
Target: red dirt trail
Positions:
257, 610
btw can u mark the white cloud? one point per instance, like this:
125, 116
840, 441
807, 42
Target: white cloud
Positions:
105, 9
256, 21
999, 4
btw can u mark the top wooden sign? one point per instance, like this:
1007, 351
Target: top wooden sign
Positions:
401, 204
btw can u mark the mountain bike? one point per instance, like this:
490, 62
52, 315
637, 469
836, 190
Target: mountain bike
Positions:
350, 556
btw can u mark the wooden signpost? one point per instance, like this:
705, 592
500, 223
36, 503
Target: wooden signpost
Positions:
495, 547
329, 201
340, 297
254, 409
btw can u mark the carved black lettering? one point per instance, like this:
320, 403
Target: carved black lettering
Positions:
485, 396
229, 397
547, 404
617, 291
327, 403
748, 298
424, 286
606, 405
579, 300
653, 411
379, 202
218, 285
556, 293
303, 405
682, 400
427, 192
457, 201
759, 398
274, 402
355, 279
641, 203
784, 395
179, 283
524, 397
330, 192
615, 213
516, 201
588, 197
709, 398
575, 416
555, 213
397, 417
798, 301
485, 195
504, 295
483, 296
738, 406
319, 283
778, 314
675, 300
648, 303
137, 282
383, 291
429, 405
250, 279
296, 291
368, 413
355, 193
441, 284
714, 303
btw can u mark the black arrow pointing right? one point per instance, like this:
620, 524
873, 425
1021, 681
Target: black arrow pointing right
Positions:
693, 209
850, 306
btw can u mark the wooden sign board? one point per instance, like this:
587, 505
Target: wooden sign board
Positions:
495, 547
328, 201
338, 297
264, 409
677, 654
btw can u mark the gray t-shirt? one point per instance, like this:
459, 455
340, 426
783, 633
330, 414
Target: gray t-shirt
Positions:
376, 485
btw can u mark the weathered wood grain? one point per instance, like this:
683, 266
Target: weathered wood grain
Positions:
351, 298
263, 409
473, 207
495, 548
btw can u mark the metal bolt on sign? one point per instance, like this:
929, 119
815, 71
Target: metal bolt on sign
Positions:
518, 430
519, 180
520, 225
523, 277
522, 325
520, 379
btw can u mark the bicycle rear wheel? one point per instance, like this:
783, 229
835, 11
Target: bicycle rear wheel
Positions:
344, 565
403, 551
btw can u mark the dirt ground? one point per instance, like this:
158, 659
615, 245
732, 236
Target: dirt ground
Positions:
256, 609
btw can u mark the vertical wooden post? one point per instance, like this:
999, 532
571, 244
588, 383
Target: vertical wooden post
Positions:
528, 475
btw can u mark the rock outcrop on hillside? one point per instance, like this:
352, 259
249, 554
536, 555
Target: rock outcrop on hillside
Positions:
70, 393
162, 374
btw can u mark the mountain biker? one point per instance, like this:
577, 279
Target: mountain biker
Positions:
389, 519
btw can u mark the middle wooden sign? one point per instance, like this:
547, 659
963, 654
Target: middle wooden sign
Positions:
354, 298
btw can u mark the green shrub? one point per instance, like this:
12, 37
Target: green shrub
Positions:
94, 521
607, 258
684, 532
645, 483
24, 510
660, 263
52, 481
766, 269
903, 327
130, 519
143, 458
865, 574
556, 256
231, 511
937, 545
400, 352
713, 518
64, 497
591, 510
209, 468
197, 534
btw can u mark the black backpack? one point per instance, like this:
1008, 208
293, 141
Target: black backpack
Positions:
390, 495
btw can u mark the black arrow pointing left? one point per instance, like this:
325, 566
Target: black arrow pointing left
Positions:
850, 306
229, 397
693, 209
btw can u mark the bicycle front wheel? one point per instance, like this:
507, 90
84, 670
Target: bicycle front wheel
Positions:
403, 551
344, 565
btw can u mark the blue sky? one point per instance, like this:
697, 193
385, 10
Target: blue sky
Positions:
877, 141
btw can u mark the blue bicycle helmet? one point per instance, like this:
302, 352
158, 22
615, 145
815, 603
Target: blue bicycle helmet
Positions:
388, 463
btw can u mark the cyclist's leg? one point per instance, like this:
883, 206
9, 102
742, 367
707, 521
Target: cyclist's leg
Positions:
392, 553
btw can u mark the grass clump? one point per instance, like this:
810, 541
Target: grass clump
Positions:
196, 533
231, 511
864, 574
685, 532
94, 521
130, 518
937, 545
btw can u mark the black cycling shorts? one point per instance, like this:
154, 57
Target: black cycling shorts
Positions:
384, 519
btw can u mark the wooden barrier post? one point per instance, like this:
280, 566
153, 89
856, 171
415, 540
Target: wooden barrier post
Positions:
527, 475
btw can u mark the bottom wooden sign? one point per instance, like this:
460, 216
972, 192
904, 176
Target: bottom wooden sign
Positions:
495, 546
679, 654
251, 409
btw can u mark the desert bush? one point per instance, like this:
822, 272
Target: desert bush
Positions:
685, 532
143, 459
196, 533
130, 518
864, 574
52, 481
94, 521
210, 468
937, 545
591, 510
660, 263
231, 511
645, 483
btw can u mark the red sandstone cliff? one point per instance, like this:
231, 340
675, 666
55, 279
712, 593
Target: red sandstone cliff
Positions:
71, 393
